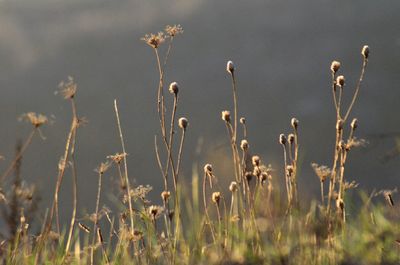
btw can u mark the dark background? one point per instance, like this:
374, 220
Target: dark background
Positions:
282, 51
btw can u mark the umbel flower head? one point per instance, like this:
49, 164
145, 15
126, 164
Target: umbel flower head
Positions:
35, 119
154, 40
174, 30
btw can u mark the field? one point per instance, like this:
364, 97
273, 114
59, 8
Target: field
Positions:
253, 220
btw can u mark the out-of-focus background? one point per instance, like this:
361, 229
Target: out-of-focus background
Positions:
282, 51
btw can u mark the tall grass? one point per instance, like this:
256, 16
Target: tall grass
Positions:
256, 222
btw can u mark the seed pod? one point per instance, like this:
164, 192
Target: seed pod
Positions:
339, 125
340, 81
208, 169
335, 66
255, 160
282, 139
354, 124
216, 196
295, 123
233, 186
242, 120
365, 51
226, 115
183, 123
165, 195
244, 144
291, 138
173, 88
230, 67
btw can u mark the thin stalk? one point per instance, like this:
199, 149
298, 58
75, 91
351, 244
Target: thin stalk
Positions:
364, 66
24, 147
125, 165
95, 225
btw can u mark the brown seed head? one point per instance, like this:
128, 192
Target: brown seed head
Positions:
35, 119
291, 138
295, 123
230, 67
365, 51
282, 139
216, 196
340, 81
173, 88
226, 115
242, 120
165, 195
248, 176
255, 160
244, 145
354, 124
233, 186
335, 66
208, 169
154, 40
183, 123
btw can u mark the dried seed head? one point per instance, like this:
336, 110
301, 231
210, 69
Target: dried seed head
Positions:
117, 158
339, 125
68, 88
154, 40
208, 169
295, 123
282, 139
35, 119
226, 115
291, 138
230, 67
155, 211
233, 186
248, 176
174, 30
365, 51
173, 88
183, 123
264, 177
165, 195
255, 160
340, 81
335, 66
321, 171
244, 144
354, 124
216, 196
242, 120
102, 168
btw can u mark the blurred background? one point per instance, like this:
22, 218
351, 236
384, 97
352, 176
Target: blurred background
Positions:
282, 51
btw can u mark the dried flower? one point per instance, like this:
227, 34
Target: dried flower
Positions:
230, 67
35, 119
174, 30
154, 40
226, 115
117, 158
321, 171
102, 168
173, 88
233, 187
183, 123
216, 196
335, 66
365, 51
340, 81
242, 120
155, 211
68, 88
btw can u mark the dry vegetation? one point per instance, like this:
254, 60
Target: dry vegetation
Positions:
252, 221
